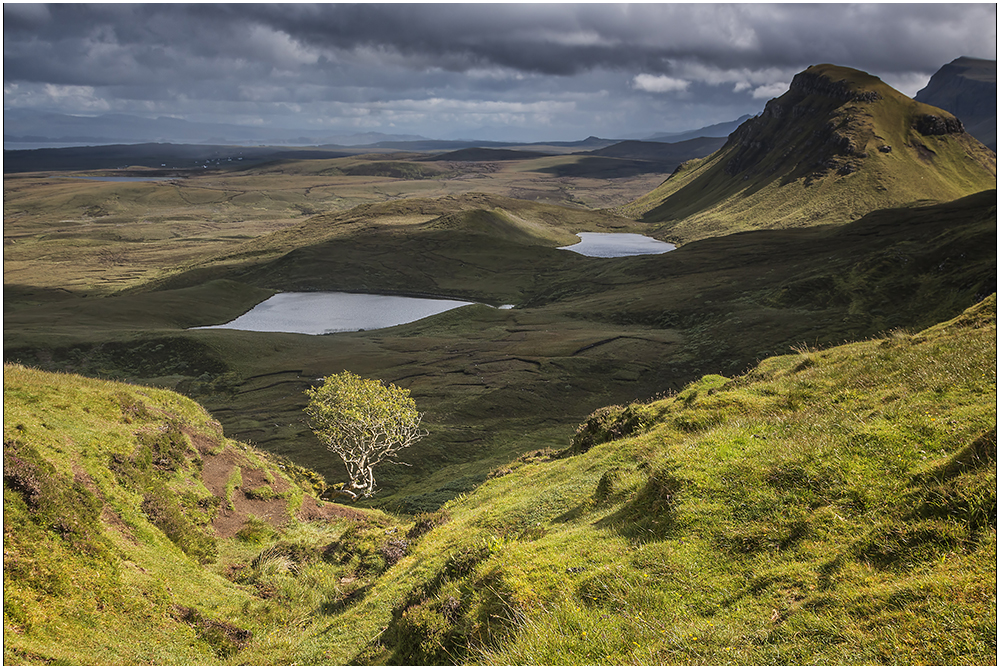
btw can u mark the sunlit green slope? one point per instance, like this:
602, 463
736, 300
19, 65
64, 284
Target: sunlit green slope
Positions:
131, 524
829, 507
839, 144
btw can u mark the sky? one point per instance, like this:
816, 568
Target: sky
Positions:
529, 72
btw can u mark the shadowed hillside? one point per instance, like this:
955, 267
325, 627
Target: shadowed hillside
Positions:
967, 87
663, 152
838, 144
477, 154
171, 157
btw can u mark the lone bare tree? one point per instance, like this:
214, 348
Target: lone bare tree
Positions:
365, 422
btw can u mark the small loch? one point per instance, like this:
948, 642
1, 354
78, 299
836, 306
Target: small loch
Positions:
617, 245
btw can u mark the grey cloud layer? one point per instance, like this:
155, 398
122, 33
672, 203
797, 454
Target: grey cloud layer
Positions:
283, 59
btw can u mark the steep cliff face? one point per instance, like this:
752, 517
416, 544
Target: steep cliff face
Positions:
838, 144
967, 87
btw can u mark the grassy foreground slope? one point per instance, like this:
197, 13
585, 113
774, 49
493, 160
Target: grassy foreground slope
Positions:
838, 145
131, 526
828, 507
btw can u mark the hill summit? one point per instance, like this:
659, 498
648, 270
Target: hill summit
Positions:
839, 144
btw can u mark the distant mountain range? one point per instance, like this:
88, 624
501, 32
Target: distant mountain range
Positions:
29, 129
967, 87
34, 127
716, 130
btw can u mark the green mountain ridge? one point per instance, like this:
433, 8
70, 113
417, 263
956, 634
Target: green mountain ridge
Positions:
839, 144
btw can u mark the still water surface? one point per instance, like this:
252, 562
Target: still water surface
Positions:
617, 245
324, 313
126, 179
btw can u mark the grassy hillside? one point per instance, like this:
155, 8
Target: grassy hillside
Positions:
129, 525
828, 507
839, 144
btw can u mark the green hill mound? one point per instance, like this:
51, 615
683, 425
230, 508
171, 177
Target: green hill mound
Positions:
126, 515
828, 507
839, 144
454, 245
501, 225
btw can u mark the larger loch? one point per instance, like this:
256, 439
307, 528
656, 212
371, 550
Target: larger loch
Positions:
325, 312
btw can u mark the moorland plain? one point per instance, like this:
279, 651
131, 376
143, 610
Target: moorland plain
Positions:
586, 332
98, 238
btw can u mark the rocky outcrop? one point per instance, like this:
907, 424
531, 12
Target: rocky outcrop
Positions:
932, 124
810, 83
813, 98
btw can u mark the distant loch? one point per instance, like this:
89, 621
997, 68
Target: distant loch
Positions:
617, 245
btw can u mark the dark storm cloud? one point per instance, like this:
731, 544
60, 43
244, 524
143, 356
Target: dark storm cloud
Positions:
536, 38
624, 63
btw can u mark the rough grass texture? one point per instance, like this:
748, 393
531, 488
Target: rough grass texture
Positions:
117, 506
831, 506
